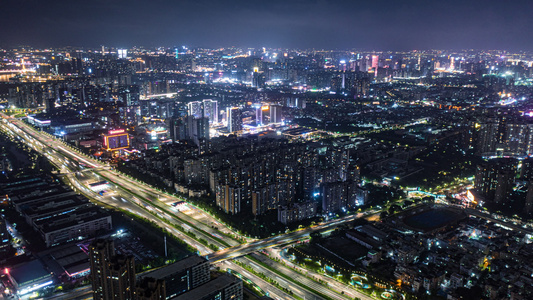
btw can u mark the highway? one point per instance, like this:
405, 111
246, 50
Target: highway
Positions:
348, 290
282, 239
265, 286
304, 280
146, 202
146, 197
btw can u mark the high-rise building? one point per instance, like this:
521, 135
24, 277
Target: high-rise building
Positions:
261, 200
505, 136
112, 276
228, 197
188, 128
494, 179
259, 114
375, 62
122, 275
333, 196
122, 53
234, 119
488, 136
210, 108
195, 109
275, 114
526, 172
452, 63
202, 128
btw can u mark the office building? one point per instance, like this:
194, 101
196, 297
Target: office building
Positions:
258, 115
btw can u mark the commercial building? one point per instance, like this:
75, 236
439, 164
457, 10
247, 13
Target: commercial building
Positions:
116, 140
28, 277
40, 120
67, 127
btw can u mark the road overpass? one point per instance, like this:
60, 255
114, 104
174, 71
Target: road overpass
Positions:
150, 203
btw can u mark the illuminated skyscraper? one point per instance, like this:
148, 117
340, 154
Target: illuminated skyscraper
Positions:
210, 110
195, 109
452, 63
258, 115
122, 53
375, 62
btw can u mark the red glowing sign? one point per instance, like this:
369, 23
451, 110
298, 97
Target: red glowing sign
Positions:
116, 131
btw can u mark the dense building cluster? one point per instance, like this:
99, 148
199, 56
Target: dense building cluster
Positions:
296, 178
285, 135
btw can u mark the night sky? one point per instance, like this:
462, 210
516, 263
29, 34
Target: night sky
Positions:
334, 24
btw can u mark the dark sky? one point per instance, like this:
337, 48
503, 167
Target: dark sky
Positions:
333, 24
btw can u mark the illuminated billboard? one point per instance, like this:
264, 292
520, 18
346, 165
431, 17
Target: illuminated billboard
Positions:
116, 139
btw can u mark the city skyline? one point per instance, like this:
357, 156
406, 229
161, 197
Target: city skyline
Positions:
381, 25
231, 150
